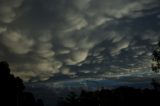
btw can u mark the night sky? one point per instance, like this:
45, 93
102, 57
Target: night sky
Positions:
79, 43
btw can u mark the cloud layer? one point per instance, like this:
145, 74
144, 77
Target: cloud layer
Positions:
78, 38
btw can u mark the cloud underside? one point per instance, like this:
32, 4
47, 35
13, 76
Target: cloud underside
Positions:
78, 38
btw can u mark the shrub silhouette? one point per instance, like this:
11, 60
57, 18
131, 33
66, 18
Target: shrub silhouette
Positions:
12, 89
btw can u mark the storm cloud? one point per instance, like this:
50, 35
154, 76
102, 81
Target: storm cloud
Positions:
108, 38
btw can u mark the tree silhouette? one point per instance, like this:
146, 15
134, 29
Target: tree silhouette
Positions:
71, 100
155, 84
12, 90
39, 102
156, 58
125, 96
156, 66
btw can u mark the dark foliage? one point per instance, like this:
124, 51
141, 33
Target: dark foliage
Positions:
12, 90
122, 96
156, 58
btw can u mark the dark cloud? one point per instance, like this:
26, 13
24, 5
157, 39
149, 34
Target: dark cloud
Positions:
78, 38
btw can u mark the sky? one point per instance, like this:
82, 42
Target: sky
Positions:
75, 41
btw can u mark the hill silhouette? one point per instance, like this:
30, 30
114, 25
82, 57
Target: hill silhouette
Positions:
12, 90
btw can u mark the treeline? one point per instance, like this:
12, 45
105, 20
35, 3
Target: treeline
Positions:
122, 96
12, 90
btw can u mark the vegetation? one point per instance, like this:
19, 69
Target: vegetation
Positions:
156, 58
12, 90
122, 96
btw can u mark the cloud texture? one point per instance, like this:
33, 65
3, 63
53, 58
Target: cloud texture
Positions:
66, 37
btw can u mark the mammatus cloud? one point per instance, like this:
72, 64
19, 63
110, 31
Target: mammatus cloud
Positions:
44, 38
119, 46
8, 10
2, 29
16, 42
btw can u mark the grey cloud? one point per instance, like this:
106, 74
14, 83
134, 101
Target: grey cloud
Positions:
77, 56
8, 10
75, 22
67, 71
82, 4
16, 42
151, 36
121, 8
124, 63
120, 46
114, 36
3, 29
56, 35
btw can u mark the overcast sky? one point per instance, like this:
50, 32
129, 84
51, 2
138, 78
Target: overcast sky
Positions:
59, 40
